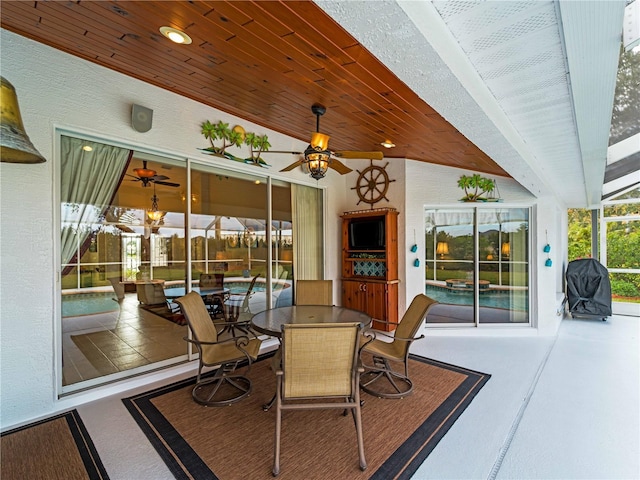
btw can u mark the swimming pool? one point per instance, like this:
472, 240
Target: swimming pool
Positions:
508, 299
77, 304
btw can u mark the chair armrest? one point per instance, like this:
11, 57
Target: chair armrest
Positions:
386, 322
408, 339
241, 340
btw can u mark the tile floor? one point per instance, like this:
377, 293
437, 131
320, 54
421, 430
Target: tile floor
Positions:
124, 339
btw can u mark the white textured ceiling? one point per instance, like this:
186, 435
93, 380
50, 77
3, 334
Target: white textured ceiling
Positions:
529, 82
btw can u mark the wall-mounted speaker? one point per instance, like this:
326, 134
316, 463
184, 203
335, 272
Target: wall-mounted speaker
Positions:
141, 118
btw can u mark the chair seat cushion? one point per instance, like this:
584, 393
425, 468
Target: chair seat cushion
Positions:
229, 352
391, 350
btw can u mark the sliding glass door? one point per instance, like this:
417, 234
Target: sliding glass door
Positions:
138, 230
477, 265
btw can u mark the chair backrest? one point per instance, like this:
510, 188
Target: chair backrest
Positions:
238, 304
151, 293
247, 296
413, 317
197, 315
118, 287
212, 280
314, 292
320, 360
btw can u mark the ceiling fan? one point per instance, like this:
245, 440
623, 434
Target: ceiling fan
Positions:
318, 152
148, 176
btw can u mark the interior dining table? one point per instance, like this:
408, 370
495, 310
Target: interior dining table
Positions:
177, 292
270, 322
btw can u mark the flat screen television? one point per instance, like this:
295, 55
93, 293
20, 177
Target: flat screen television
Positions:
366, 234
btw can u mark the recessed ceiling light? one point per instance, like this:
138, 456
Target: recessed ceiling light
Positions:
175, 35
388, 144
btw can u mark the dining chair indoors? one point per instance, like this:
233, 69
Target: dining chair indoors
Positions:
319, 370
380, 379
118, 288
225, 386
314, 292
237, 312
213, 301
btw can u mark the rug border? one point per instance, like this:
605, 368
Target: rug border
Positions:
400, 465
86, 448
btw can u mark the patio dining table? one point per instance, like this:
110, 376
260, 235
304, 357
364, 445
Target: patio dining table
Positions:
270, 322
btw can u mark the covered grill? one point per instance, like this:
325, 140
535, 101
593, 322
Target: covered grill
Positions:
588, 289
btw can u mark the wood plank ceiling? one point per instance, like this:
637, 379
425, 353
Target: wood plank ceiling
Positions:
264, 61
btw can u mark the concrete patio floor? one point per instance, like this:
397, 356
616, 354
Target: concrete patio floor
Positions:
565, 407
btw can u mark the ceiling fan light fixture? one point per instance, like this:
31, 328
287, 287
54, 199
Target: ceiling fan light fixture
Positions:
388, 144
175, 35
144, 172
317, 161
320, 141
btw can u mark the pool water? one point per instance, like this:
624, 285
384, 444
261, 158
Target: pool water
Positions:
508, 299
88, 304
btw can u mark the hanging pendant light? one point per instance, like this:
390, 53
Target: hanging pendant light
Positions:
155, 214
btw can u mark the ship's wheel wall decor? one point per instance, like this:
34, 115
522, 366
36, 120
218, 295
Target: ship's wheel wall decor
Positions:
372, 184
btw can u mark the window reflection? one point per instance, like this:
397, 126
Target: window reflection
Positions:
124, 255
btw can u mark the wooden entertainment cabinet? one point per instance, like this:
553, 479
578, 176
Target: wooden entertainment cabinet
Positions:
370, 266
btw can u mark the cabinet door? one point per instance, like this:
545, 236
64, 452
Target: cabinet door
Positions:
377, 302
354, 295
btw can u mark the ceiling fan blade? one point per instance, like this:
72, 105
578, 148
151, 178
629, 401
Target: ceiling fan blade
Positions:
283, 151
339, 167
356, 154
155, 178
168, 184
292, 166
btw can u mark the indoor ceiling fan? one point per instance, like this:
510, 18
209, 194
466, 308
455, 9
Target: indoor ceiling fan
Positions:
317, 157
148, 176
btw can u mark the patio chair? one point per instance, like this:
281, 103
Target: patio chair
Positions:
213, 301
118, 288
314, 292
151, 294
319, 370
225, 386
379, 379
237, 312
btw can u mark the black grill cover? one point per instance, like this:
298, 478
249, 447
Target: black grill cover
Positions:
588, 288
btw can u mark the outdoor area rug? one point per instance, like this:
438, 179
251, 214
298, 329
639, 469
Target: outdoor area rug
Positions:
234, 442
55, 448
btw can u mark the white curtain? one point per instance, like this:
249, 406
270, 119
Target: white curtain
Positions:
89, 180
307, 232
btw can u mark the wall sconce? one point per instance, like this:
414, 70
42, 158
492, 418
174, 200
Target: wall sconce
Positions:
546, 249
506, 249
442, 249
